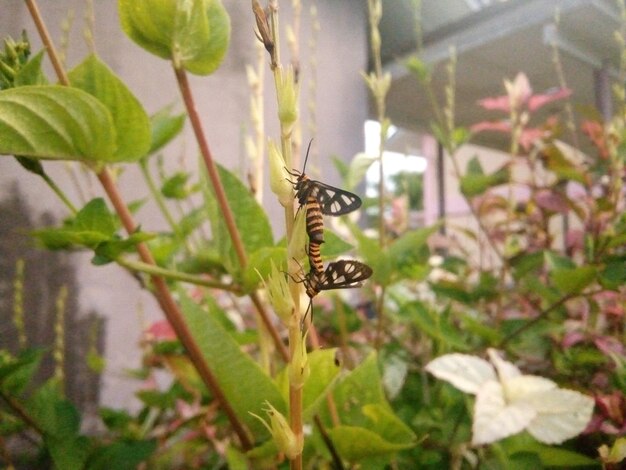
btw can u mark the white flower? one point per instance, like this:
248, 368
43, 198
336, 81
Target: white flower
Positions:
508, 402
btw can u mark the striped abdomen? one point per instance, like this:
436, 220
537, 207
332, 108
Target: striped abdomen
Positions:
315, 258
314, 221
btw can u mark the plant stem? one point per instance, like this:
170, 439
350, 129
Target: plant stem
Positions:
59, 192
163, 295
222, 201
158, 198
175, 275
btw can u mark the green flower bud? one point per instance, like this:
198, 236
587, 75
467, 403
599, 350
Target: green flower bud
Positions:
279, 294
299, 239
299, 369
287, 92
285, 439
279, 177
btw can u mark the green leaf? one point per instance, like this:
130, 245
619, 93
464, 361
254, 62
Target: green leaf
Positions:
261, 261
194, 33
388, 425
132, 126
357, 169
30, 73
571, 281
243, 383
122, 455
324, 371
175, 187
409, 253
356, 443
549, 456
16, 373
165, 126
108, 251
558, 163
55, 122
434, 325
96, 217
475, 182
250, 219
333, 245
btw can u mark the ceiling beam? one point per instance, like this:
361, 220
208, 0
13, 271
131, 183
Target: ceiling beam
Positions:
491, 24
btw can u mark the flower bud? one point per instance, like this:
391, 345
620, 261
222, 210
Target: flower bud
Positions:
299, 369
299, 239
279, 294
279, 177
287, 92
285, 439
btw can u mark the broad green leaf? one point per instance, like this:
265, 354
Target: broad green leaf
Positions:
121, 455
92, 225
55, 122
388, 425
373, 255
362, 386
165, 126
476, 182
571, 281
356, 443
109, 250
193, 33
132, 126
244, 384
550, 456
250, 219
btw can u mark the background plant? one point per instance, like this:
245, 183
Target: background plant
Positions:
554, 304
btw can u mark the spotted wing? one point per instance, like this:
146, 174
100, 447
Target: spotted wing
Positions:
344, 274
333, 201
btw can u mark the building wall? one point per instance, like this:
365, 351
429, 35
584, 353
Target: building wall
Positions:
223, 103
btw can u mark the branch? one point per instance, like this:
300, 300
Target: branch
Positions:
163, 295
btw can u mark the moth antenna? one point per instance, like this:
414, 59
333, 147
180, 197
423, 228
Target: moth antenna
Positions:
307, 155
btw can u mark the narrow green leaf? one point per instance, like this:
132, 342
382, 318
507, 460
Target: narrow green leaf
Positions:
132, 126
244, 384
165, 126
55, 122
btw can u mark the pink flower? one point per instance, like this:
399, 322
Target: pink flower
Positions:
162, 331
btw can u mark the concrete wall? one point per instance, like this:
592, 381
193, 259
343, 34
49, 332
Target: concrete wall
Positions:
223, 102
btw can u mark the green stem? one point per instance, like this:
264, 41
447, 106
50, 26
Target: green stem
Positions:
154, 270
158, 198
59, 192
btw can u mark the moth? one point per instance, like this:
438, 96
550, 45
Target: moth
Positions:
341, 274
331, 200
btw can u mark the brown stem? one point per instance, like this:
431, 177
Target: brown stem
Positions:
163, 295
172, 312
222, 201
21, 412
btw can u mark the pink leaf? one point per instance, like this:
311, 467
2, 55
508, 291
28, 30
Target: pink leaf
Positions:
529, 137
499, 126
537, 101
500, 103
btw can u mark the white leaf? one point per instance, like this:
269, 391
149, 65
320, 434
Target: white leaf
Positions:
561, 415
506, 370
467, 373
494, 419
